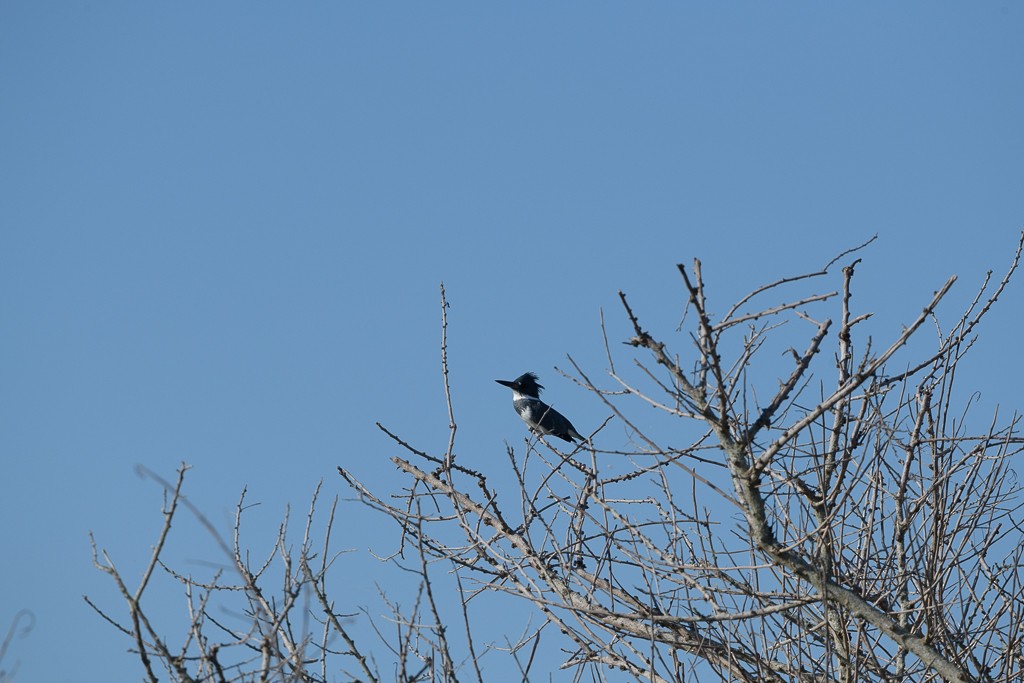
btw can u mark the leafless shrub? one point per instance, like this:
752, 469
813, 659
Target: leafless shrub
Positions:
850, 522
267, 620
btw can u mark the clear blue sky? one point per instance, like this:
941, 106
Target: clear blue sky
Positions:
223, 225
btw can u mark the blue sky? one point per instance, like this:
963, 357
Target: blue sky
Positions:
223, 225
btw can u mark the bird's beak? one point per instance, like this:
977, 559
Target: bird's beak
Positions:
505, 382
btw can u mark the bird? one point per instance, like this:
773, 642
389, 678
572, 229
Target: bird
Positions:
538, 415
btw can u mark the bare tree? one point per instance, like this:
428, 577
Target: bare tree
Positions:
845, 518
249, 621
849, 523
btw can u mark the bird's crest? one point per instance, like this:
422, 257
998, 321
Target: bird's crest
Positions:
527, 380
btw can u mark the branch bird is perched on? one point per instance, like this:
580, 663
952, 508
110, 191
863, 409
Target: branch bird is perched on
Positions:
538, 415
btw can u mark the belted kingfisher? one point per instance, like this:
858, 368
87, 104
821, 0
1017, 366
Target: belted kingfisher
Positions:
538, 415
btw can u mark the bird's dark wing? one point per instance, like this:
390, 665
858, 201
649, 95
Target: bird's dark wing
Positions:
556, 424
